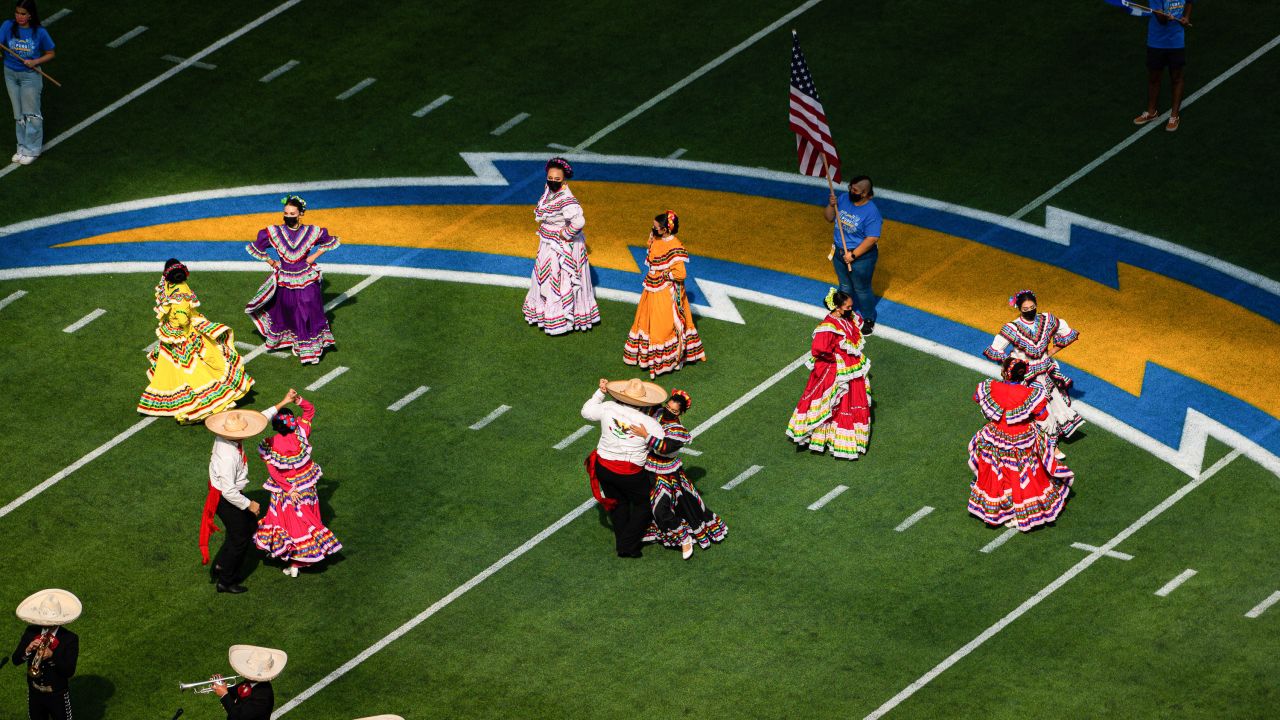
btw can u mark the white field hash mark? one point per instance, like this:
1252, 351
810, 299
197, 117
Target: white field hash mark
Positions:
127, 36
397, 405
1000, 540
55, 17
820, 502
1262, 606
15, 295
422, 111
511, 556
177, 60
742, 476
327, 378
1049, 589
915, 517
278, 71
1173, 584
1110, 553
356, 88
510, 124
573, 437
490, 417
99, 312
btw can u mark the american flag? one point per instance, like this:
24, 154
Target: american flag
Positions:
809, 120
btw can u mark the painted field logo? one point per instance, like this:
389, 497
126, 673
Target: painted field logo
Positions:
944, 272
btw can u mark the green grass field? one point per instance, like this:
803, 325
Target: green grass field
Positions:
799, 614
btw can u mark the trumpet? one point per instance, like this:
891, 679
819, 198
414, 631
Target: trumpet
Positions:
206, 686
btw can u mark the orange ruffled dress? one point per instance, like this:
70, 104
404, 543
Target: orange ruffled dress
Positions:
663, 337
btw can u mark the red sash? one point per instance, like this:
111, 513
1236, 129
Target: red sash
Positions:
618, 467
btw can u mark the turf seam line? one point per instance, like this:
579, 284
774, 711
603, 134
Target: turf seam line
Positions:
686, 80
127, 36
915, 517
55, 17
327, 378
397, 405
1261, 607
506, 559
97, 313
422, 111
146, 87
835, 492
1002, 539
15, 295
742, 476
1052, 587
1110, 553
490, 417
356, 88
1071, 180
573, 437
278, 71
504, 127
1173, 584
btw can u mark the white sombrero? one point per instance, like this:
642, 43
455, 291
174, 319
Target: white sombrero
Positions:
257, 664
636, 392
382, 717
48, 608
236, 424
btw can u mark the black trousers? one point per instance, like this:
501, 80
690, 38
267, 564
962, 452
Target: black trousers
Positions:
240, 525
48, 706
632, 515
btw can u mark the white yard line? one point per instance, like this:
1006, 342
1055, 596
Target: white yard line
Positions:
201, 65
820, 502
127, 36
1049, 589
679, 152
490, 417
327, 378
147, 87
1262, 606
278, 71
99, 312
55, 17
348, 294
399, 404
1000, 540
487, 572
686, 450
751, 395
1173, 584
422, 111
741, 477
1110, 553
915, 517
686, 80
1149, 127
510, 124
15, 295
573, 437
568, 148
356, 88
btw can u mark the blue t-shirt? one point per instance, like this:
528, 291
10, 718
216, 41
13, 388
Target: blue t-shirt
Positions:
860, 222
30, 45
1170, 35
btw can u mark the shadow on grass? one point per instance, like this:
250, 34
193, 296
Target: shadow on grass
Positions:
89, 695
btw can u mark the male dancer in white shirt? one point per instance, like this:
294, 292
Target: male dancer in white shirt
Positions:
616, 466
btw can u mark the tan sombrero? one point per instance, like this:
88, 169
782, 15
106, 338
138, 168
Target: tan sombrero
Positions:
255, 663
636, 392
48, 608
236, 424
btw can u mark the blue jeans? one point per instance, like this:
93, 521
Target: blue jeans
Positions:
857, 284
24, 93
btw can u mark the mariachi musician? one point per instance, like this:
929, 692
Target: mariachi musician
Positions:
252, 698
49, 650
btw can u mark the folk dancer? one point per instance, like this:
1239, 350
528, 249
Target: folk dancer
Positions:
289, 309
834, 410
561, 298
1035, 337
616, 467
663, 337
49, 650
680, 517
228, 477
253, 697
1017, 478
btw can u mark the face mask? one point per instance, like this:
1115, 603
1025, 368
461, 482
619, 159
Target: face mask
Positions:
1029, 314
291, 222
554, 185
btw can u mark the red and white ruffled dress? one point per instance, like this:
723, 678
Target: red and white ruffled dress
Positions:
1017, 477
292, 529
835, 409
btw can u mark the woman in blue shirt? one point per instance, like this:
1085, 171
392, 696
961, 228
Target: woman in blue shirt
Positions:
24, 36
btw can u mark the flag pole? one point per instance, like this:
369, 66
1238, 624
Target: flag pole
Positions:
826, 170
37, 69
1144, 8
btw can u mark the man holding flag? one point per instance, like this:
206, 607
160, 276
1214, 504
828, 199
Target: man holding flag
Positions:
856, 235
1167, 21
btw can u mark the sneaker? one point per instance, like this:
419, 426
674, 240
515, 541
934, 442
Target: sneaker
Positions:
1172, 125
1145, 118
868, 327
15, 157
25, 159
291, 571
